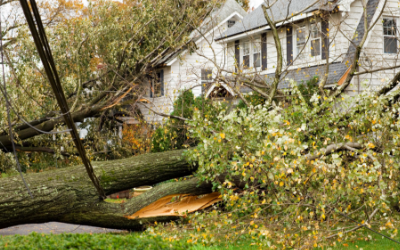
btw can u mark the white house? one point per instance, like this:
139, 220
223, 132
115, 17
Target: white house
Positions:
330, 30
187, 69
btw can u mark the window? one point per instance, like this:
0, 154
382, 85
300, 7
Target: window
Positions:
251, 54
390, 35
231, 23
157, 85
257, 53
246, 54
300, 40
206, 79
308, 40
315, 32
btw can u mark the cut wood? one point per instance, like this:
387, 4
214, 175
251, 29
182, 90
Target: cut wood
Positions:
185, 204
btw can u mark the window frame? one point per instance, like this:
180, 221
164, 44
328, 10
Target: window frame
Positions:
208, 78
246, 46
306, 48
231, 23
302, 48
395, 36
318, 37
159, 76
254, 47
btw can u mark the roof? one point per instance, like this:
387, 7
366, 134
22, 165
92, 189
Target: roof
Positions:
336, 71
214, 19
280, 10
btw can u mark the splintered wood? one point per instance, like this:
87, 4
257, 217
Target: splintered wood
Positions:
166, 206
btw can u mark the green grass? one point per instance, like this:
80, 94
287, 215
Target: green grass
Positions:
376, 242
145, 241
88, 241
233, 246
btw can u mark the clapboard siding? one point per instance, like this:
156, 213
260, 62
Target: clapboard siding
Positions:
185, 73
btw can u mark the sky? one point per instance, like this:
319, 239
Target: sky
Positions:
255, 3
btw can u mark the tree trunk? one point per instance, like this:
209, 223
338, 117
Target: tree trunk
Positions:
67, 195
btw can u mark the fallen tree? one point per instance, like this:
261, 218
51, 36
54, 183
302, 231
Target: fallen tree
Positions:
67, 195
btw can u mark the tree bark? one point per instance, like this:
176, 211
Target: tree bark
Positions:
67, 195
27, 132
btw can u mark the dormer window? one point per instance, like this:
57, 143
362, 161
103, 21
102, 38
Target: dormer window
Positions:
231, 23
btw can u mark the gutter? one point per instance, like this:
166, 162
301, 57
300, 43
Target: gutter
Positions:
260, 28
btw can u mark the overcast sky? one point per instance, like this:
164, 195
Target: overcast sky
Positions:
255, 3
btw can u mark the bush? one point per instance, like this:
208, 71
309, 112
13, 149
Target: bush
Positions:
137, 138
279, 180
174, 134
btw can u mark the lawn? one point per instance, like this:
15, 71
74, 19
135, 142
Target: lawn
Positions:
145, 241
375, 242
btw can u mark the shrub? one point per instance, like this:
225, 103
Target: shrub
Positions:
174, 134
279, 181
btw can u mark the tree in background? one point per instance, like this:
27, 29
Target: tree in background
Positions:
103, 53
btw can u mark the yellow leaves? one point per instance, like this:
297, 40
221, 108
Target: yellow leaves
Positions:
371, 145
281, 184
222, 135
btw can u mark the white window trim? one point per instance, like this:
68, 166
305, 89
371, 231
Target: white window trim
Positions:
389, 55
306, 49
253, 43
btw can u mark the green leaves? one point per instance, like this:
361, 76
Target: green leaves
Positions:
269, 149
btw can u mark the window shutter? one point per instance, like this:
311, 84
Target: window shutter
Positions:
325, 38
289, 45
162, 82
264, 51
237, 54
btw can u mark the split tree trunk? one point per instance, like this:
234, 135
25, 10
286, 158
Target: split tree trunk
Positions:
67, 195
